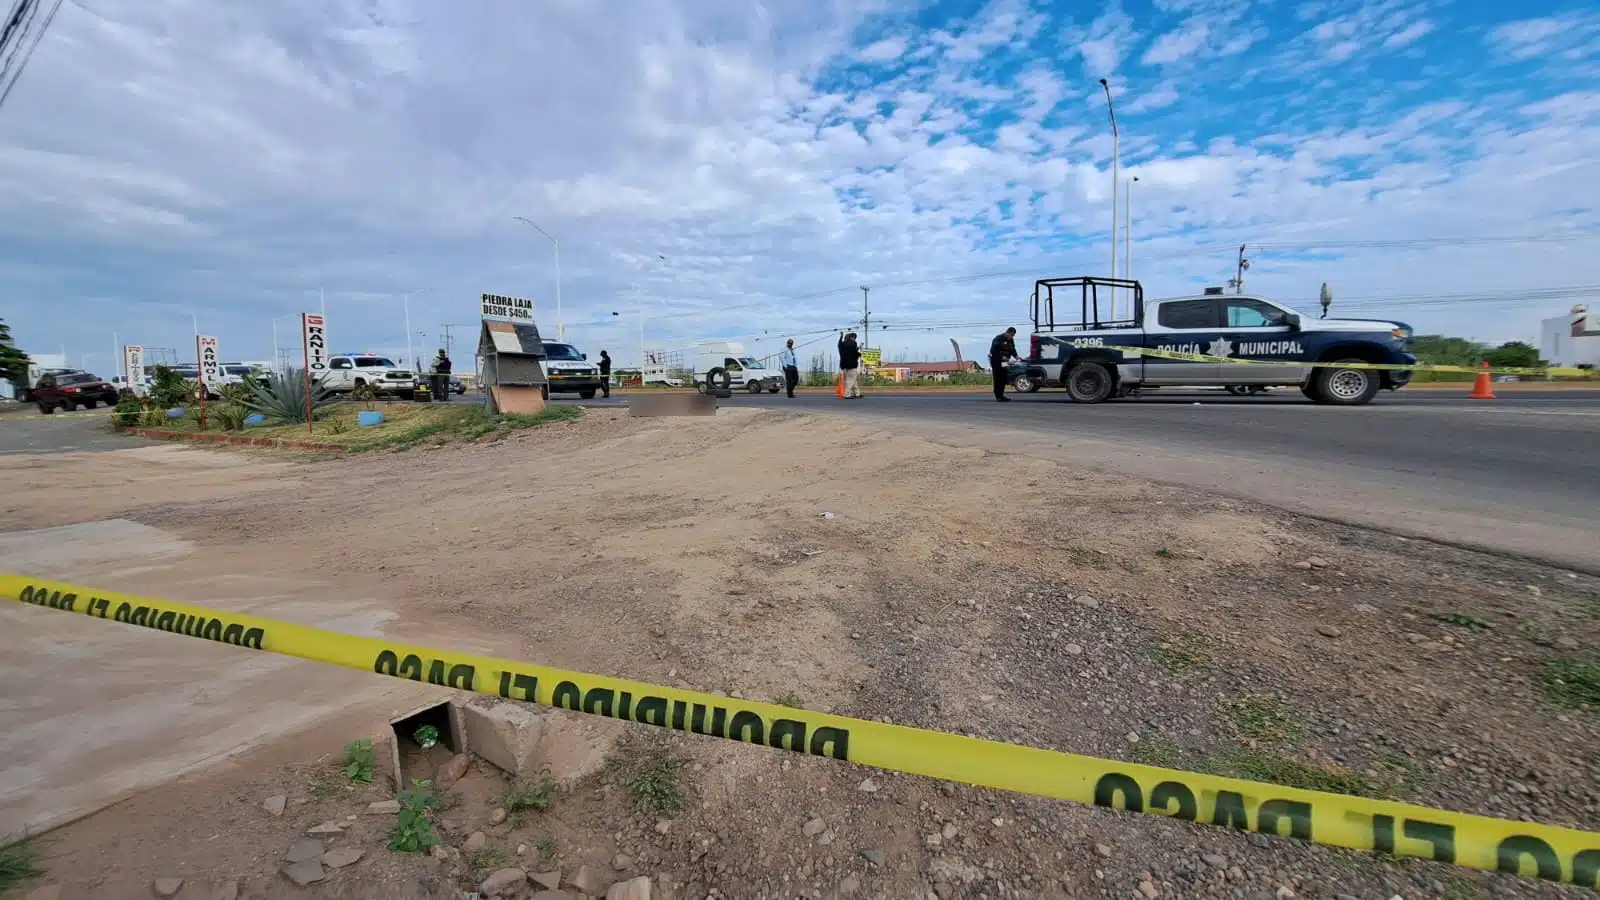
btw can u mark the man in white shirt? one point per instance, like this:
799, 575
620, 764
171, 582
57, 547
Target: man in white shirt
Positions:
791, 369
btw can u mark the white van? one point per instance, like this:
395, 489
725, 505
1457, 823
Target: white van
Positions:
719, 361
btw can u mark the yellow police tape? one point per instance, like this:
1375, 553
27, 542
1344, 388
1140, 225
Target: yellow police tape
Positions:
1560, 372
1402, 829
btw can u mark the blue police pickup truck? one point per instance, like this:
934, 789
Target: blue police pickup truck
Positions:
1077, 330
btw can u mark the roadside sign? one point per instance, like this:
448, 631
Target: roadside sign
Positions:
872, 357
210, 365
314, 337
499, 306
133, 368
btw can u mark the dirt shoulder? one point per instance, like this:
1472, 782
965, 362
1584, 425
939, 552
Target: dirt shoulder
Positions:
814, 560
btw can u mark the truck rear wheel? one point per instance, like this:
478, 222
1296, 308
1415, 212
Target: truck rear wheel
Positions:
1346, 387
1089, 382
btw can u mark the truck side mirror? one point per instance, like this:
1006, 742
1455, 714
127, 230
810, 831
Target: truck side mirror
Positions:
584, 355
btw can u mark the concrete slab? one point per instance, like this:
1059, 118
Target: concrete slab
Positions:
95, 712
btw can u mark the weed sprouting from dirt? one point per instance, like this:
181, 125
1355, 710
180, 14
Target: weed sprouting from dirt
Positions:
546, 848
1087, 557
488, 859
650, 769
789, 700
359, 760
413, 830
16, 862
1573, 683
1264, 720
1471, 623
1259, 765
1158, 752
1182, 654
528, 795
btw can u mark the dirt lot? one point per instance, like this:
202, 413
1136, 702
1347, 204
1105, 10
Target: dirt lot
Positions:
952, 588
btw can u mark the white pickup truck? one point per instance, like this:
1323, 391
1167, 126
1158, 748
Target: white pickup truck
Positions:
350, 371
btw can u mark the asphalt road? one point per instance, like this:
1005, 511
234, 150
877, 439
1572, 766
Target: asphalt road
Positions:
62, 432
1519, 474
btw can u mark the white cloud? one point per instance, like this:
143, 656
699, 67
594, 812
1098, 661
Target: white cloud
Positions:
887, 49
1572, 33
1177, 45
232, 160
1159, 97
1409, 35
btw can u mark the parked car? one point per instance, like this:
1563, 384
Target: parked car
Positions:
71, 391
457, 386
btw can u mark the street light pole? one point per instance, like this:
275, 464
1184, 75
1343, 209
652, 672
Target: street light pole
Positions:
561, 329
640, 296
1127, 229
1116, 161
406, 299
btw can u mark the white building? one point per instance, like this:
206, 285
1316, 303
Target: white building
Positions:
1572, 339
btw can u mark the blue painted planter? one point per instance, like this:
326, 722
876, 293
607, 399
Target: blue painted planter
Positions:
369, 417
254, 419
177, 412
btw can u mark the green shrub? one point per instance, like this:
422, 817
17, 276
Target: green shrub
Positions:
282, 398
170, 390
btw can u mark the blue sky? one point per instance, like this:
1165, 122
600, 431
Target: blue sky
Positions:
734, 169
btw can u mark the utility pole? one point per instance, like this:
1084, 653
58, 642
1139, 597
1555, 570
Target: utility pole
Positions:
866, 318
1237, 282
1116, 164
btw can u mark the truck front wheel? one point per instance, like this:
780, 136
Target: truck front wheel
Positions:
1346, 387
1089, 382
753, 387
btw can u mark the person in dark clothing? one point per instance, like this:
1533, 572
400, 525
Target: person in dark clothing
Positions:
440, 379
850, 365
791, 367
605, 373
1002, 350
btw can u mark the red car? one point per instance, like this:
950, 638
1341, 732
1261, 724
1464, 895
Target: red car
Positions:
71, 391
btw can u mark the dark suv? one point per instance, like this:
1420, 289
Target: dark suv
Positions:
70, 391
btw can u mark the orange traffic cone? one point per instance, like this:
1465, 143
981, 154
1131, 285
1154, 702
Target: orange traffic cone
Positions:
840, 391
1480, 387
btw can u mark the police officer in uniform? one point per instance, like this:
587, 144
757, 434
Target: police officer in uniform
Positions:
605, 373
1002, 350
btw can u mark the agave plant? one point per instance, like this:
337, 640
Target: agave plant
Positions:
282, 397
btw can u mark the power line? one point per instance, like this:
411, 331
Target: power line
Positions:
22, 51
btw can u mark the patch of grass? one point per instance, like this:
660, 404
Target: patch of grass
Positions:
528, 794
1260, 765
1572, 683
546, 848
651, 771
1087, 558
1264, 720
17, 863
405, 425
1183, 653
488, 859
789, 700
1471, 623
482, 423
1158, 752
359, 760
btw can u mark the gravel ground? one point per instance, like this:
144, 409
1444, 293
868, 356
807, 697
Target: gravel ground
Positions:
1006, 596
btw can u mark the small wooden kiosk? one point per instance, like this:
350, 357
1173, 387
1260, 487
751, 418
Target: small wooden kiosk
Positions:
514, 379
